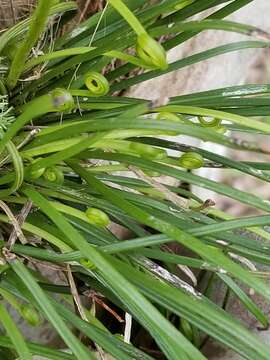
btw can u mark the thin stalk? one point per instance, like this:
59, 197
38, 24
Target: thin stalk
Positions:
36, 28
57, 101
14, 334
128, 16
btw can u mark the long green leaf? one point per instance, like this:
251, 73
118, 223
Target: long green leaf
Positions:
51, 314
215, 256
168, 338
14, 334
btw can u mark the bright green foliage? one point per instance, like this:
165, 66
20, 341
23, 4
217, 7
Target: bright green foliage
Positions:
191, 160
68, 145
96, 83
54, 175
97, 217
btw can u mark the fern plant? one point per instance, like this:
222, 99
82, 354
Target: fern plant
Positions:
65, 136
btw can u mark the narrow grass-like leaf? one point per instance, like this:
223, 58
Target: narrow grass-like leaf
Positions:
169, 339
245, 299
14, 334
180, 64
241, 196
51, 314
196, 310
211, 254
37, 349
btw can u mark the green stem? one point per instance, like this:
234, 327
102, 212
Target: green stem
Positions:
18, 170
236, 119
128, 16
57, 101
10, 298
183, 4
43, 301
123, 146
69, 210
36, 28
211, 254
253, 229
108, 168
14, 334
83, 50
56, 55
41, 233
51, 147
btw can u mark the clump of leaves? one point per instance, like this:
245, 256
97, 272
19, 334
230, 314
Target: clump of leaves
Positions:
63, 137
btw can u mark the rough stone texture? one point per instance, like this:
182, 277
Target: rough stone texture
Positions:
217, 352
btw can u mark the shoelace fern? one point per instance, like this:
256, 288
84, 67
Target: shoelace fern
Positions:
65, 136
